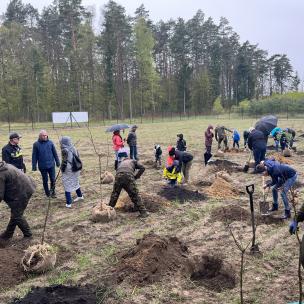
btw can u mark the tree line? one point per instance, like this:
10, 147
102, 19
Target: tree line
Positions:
130, 66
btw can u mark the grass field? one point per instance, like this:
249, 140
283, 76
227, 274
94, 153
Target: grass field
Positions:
89, 251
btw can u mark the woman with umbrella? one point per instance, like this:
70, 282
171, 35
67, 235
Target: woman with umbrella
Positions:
117, 145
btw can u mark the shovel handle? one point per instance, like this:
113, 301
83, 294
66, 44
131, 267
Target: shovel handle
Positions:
250, 189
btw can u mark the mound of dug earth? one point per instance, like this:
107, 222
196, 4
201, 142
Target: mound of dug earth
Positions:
10, 267
221, 188
280, 158
152, 258
212, 272
234, 213
60, 294
181, 194
224, 165
230, 214
152, 202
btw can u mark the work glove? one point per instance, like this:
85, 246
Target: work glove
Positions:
293, 227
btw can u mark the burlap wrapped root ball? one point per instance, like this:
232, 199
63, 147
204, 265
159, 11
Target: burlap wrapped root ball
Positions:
103, 213
39, 258
107, 178
287, 153
219, 153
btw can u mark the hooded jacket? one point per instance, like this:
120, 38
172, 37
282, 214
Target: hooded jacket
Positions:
181, 144
220, 132
209, 136
16, 188
44, 152
278, 172
117, 142
257, 140
130, 166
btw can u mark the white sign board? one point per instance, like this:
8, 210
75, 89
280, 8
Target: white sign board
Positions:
66, 117
61, 117
80, 116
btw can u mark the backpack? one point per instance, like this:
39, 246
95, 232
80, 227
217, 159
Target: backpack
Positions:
76, 163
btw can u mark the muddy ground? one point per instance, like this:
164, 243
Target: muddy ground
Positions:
183, 253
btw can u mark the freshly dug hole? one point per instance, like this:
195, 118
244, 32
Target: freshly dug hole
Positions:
60, 294
211, 272
151, 259
224, 165
152, 202
230, 213
39, 258
181, 194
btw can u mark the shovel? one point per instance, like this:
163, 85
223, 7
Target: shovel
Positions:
254, 247
246, 167
264, 205
207, 156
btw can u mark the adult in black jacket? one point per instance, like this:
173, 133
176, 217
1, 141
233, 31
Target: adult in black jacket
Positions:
185, 161
257, 143
12, 153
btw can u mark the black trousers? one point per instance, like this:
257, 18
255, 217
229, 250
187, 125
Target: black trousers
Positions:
17, 219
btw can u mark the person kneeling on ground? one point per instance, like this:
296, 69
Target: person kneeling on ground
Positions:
283, 177
171, 172
16, 189
125, 179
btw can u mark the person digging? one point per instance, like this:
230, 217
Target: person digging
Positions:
127, 172
220, 133
283, 177
16, 189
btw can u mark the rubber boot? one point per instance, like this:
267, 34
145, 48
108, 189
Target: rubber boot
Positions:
274, 207
116, 164
286, 215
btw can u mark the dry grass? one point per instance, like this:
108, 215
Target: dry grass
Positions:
71, 228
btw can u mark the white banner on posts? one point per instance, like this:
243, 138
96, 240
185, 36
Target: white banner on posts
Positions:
61, 117
67, 117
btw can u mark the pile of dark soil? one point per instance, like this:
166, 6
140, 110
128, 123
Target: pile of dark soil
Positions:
152, 259
181, 194
212, 273
233, 213
225, 165
60, 294
153, 203
10, 267
230, 214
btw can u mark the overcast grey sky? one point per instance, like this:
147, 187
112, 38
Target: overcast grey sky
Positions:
276, 25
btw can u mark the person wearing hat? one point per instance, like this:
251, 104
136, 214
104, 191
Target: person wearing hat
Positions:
128, 171
181, 144
12, 152
132, 142
283, 177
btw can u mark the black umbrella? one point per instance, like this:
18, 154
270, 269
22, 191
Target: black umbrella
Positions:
207, 156
117, 127
266, 124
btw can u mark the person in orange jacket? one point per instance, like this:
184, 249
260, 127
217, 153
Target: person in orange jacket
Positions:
117, 145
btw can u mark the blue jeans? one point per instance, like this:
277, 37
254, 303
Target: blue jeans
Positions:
276, 145
259, 155
45, 173
133, 152
285, 188
68, 196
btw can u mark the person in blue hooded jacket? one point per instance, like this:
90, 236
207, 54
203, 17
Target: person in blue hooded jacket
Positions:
283, 177
45, 154
236, 138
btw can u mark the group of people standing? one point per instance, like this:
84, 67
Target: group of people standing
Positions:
16, 187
